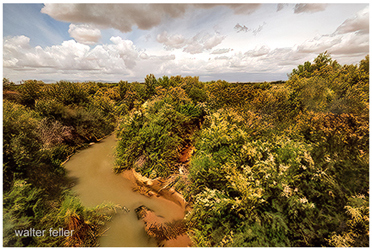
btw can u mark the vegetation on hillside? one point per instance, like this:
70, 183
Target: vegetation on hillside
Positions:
273, 164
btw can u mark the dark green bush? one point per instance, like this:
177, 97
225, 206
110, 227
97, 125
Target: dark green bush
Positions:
68, 93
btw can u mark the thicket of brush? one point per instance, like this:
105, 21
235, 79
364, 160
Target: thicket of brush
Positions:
275, 164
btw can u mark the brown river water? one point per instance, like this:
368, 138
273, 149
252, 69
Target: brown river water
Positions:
95, 183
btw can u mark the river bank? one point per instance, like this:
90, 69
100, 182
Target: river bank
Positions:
154, 223
96, 183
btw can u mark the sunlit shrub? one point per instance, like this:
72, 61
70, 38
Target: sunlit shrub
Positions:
273, 181
20, 140
155, 137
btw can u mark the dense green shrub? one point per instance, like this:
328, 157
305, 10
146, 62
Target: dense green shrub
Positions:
266, 192
22, 205
68, 93
332, 88
53, 109
20, 141
292, 179
341, 145
356, 233
151, 138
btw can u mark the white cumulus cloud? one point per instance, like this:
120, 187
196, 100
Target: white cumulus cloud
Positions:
70, 55
194, 45
76, 60
176, 41
84, 33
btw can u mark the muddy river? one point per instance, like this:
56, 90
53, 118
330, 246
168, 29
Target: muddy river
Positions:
95, 183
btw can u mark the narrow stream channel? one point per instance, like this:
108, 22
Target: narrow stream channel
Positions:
92, 168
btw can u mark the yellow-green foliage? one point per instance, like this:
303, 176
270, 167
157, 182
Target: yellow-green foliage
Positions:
287, 173
341, 145
330, 87
256, 187
20, 141
68, 92
356, 233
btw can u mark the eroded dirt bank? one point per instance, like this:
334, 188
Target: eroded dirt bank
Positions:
156, 187
167, 233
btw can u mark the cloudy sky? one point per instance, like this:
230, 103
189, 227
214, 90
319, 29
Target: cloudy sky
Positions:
233, 42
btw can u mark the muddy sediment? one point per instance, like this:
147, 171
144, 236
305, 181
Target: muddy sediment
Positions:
167, 234
154, 187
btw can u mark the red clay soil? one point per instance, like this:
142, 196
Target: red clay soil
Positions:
186, 154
